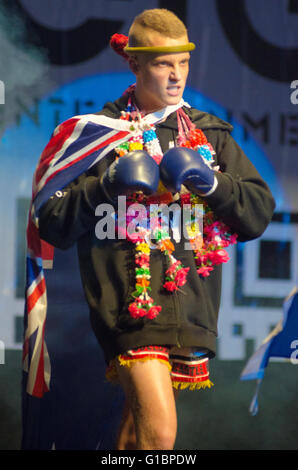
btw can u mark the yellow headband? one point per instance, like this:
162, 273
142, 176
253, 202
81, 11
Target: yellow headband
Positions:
161, 49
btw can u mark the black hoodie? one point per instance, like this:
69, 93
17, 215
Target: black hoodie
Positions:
189, 316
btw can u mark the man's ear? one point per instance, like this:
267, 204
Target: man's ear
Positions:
134, 65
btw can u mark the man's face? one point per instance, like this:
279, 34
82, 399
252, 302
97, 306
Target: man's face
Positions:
161, 78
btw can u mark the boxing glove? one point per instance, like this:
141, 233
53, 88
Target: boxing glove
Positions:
181, 165
135, 171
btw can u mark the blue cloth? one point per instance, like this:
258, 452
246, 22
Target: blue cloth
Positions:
281, 343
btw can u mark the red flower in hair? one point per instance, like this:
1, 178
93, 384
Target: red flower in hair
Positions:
118, 42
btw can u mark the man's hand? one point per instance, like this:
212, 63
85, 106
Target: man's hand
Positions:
135, 171
186, 166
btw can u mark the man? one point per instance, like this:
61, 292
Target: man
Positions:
154, 311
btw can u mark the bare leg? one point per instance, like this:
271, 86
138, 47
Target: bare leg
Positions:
149, 418
126, 439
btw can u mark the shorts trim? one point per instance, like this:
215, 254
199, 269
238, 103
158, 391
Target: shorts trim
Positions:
186, 373
192, 385
124, 361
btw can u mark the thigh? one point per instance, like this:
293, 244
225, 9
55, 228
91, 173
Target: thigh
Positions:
148, 389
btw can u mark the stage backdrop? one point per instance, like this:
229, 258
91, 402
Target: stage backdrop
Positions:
56, 63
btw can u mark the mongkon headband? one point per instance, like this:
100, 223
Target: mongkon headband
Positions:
156, 49
119, 43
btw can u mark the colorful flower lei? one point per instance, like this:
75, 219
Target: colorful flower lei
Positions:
208, 248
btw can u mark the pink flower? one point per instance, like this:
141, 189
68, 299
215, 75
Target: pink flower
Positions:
157, 158
153, 311
171, 270
233, 238
142, 260
180, 277
218, 256
209, 228
210, 147
134, 237
202, 259
204, 271
170, 286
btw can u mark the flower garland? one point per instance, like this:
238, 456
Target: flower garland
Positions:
208, 248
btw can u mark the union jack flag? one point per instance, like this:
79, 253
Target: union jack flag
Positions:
75, 146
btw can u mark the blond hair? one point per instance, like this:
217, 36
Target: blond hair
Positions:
158, 20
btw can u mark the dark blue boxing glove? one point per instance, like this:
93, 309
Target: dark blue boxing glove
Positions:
185, 166
135, 171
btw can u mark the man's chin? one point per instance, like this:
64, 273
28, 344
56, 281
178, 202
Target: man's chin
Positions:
172, 100
168, 101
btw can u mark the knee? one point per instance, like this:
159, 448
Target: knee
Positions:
165, 438
159, 435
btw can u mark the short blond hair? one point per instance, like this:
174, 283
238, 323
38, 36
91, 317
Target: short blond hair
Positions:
158, 20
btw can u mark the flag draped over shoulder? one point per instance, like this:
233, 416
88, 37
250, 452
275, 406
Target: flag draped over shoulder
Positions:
281, 343
75, 146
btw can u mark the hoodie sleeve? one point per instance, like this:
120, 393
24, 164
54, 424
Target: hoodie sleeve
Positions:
242, 199
70, 213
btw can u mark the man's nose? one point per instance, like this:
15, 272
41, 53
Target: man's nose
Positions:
175, 74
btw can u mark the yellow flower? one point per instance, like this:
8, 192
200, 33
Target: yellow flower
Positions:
135, 146
143, 247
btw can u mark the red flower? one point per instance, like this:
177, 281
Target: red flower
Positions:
185, 198
136, 311
170, 286
233, 238
204, 271
202, 258
171, 270
153, 311
134, 236
180, 277
218, 256
143, 260
197, 138
186, 144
